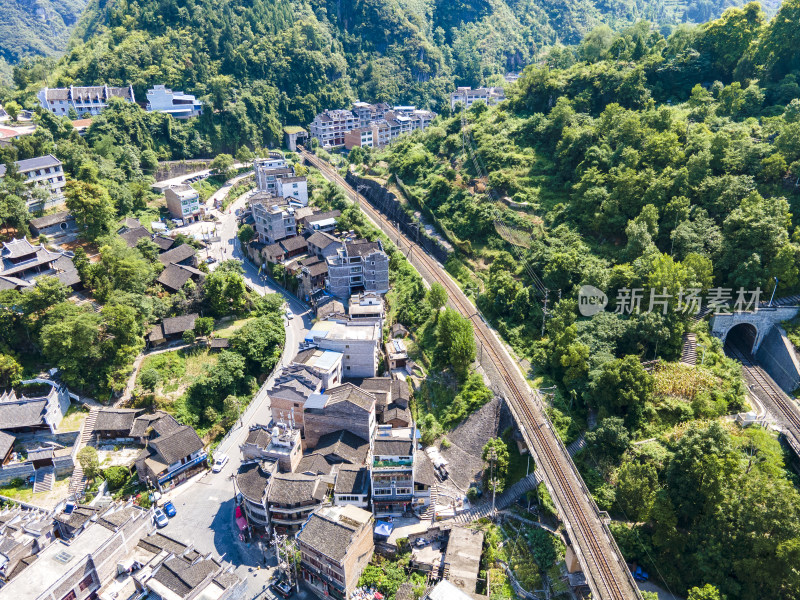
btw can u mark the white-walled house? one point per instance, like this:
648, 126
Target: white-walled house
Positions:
177, 104
84, 100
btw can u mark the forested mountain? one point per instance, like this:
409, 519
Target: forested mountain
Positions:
35, 27
631, 162
264, 63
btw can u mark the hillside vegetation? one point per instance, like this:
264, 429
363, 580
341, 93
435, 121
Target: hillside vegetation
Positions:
265, 63
638, 161
35, 28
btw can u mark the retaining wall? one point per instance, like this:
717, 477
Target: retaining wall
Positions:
776, 354
387, 203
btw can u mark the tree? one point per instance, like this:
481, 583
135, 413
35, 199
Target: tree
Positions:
225, 291
495, 453
244, 155
116, 477
188, 337
610, 440
10, 371
436, 297
637, 485
91, 206
232, 407
47, 292
260, 342
707, 592
455, 342
13, 109
621, 387
246, 234
222, 165
87, 457
149, 379
204, 326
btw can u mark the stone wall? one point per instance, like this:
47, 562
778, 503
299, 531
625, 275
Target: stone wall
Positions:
387, 203
776, 354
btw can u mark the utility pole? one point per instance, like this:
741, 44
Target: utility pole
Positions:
544, 309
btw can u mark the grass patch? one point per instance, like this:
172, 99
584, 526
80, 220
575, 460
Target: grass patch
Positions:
72, 421
208, 187
177, 369
227, 329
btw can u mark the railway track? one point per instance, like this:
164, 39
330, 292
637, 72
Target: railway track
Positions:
606, 573
772, 393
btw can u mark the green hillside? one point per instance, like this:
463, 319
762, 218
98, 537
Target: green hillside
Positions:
35, 28
663, 165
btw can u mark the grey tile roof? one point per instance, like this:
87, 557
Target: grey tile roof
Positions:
173, 446
259, 437
160, 422
314, 464
352, 480
116, 519
293, 243
423, 470
343, 446
22, 414
392, 447
347, 392
163, 242
322, 216
54, 219
320, 239
393, 411
181, 576
6, 443
115, 419
401, 393
175, 276
252, 481
220, 343
132, 236
317, 269
173, 325
40, 453
40, 162
328, 538
362, 248
176, 255
294, 488
157, 541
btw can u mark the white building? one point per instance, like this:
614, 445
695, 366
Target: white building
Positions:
43, 171
358, 341
293, 188
467, 96
84, 100
330, 126
183, 202
177, 104
269, 170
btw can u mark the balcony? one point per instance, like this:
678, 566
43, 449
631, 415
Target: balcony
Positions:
392, 464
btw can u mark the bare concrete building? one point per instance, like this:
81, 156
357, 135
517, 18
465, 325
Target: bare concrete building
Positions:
274, 218
281, 444
343, 408
359, 266
357, 340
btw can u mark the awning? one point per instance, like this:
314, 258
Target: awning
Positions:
240, 521
238, 511
383, 529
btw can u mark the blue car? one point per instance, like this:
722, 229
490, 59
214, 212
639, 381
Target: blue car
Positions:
169, 509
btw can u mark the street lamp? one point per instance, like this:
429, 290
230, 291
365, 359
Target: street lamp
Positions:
773, 291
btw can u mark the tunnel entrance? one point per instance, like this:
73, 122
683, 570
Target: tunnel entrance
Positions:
741, 337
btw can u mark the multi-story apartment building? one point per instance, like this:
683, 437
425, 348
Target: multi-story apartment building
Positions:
274, 218
252, 482
330, 126
43, 171
392, 471
366, 112
358, 266
183, 202
335, 545
177, 104
280, 444
294, 189
467, 96
357, 340
363, 137
289, 393
325, 364
84, 100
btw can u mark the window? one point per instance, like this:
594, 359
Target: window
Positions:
70, 596
86, 583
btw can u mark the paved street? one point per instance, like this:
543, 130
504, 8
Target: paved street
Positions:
206, 506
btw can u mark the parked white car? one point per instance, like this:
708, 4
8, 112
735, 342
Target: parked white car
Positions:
220, 460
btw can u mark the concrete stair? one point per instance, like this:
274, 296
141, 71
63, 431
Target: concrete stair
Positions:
88, 425
689, 351
503, 501
77, 481
577, 446
430, 512
44, 479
